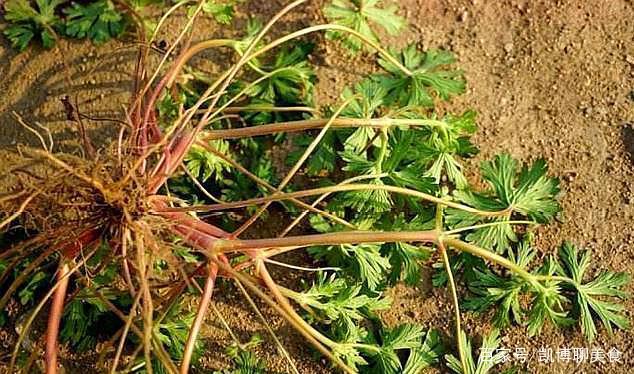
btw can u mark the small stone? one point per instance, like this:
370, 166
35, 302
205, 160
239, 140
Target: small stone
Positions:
464, 16
629, 59
570, 176
508, 47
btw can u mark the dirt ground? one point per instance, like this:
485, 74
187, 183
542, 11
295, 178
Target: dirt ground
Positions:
552, 79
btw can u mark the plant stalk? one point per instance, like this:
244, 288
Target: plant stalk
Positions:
317, 123
55, 317
200, 316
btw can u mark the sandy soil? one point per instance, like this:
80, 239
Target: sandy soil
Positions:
551, 79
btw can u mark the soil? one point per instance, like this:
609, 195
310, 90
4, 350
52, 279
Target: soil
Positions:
552, 79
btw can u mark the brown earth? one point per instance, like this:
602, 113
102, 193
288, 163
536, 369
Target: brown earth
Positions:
552, 79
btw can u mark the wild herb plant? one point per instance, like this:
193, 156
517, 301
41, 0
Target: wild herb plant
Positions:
44, 21
382, 191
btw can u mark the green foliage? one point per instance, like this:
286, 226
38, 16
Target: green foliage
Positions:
445, 144
87, 317
406, 259
362, 261
293, 80
204, 164
221, 11
388, 134
340, 307
27, 22
247, 363
172, 332
27, 293
82, 318
429, 74
547, 303
504, 293
597, 297
425, 355
421, 349
490, 289
244, 360
487, 358
359, 15
528, 192
339, 304
463, 264
99, 21
564, 296
405, 348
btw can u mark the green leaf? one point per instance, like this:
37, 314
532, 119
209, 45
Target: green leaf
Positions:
359, 15
20, 35
361, 261
339, 304
365, 100
464, 264
529, 193
99, 21
173, 333
405, 260
221, 11
81, 317
487, 358
595, 298
323, 159
437, 149
349, 355
204, 164
248, 363
547, 303
429, 75
368, 202
402, 337
499, 236
425, 355
294, 80
503, 294
28, 22
27, 293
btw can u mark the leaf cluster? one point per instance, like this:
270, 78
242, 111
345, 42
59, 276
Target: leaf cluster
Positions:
486, 360
568, 293
361, 15
340, 308
522, 193
98, 20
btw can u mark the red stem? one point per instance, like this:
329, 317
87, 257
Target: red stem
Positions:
54, 319
173, 158
200, 316
71, 248
188, 224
